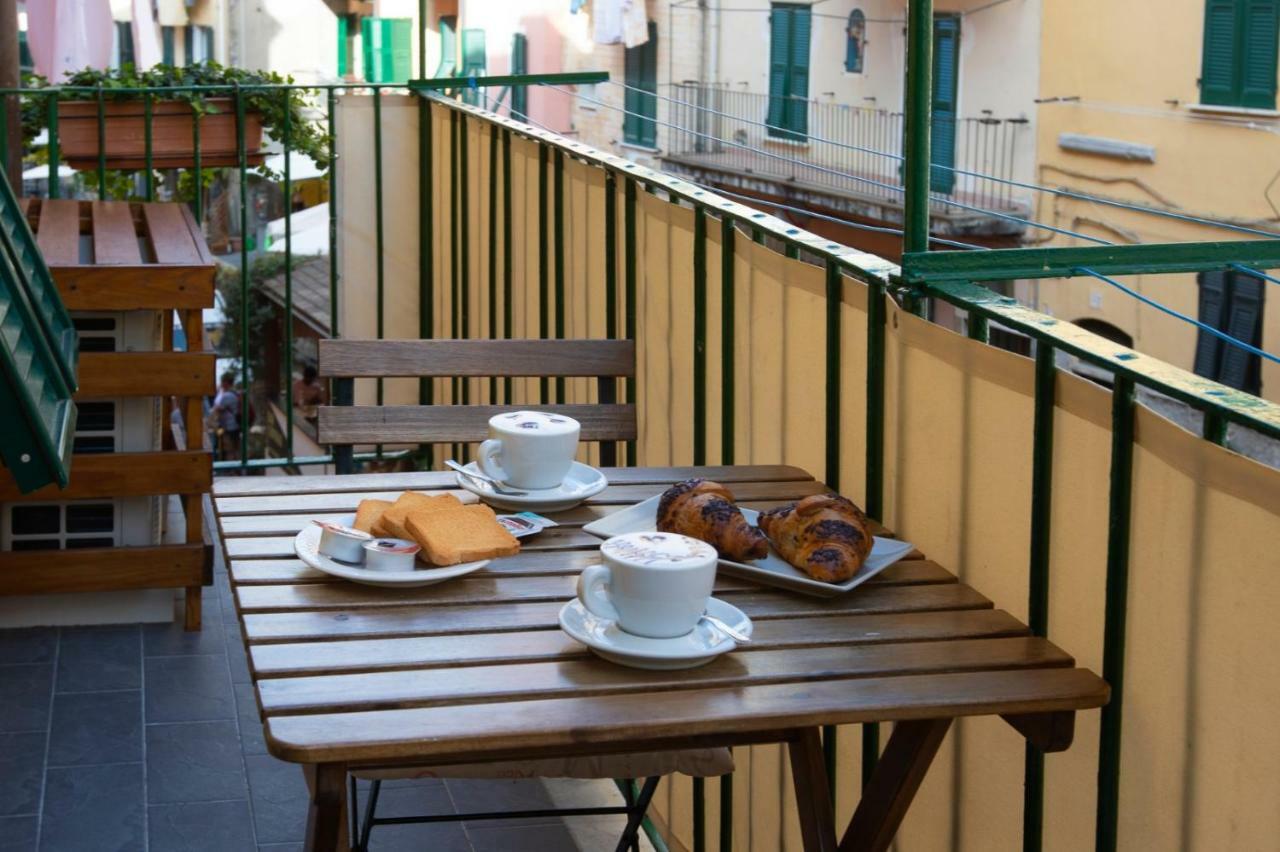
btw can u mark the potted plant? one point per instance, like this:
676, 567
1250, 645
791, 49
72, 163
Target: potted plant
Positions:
174, 115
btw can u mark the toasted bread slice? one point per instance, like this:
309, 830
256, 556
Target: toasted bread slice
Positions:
392, 521
464, 534
368, 513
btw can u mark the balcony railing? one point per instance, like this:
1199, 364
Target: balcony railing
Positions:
1147, 550
847, 150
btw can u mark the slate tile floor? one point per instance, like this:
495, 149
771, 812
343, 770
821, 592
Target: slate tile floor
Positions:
143, 737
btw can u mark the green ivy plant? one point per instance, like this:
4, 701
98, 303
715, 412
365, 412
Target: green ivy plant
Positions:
272, 104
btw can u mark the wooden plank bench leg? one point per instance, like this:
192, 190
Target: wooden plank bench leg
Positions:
326, 822
1048, 732
813, 792
893, 785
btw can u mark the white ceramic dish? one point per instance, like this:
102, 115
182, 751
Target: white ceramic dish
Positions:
696, 648
582, 482
306, 545
773, 570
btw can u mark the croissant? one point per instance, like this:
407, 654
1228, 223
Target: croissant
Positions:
823, 535
706, 511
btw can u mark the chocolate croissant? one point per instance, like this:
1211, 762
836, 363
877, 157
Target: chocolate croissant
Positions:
706, 511
823, 535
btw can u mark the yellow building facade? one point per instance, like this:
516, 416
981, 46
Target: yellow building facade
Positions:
1123, 116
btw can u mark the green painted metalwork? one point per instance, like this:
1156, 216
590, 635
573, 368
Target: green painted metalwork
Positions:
726, 813
491, 240
4, 137
508, 311
1123, 405
610, 256
1215, 428
51, 120
699, 811
246, 379
544, 261
1038, 594
1200, 393
629, 284
285, 141
917, 129
979, 328
426, 239
557, 221
699, 335
728, 255
330, 110
463, 215
1002, 264
102, 144
422, 36
835, 300
498, 80
149, 174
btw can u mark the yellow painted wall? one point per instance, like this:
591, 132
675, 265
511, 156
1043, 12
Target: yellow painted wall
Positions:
1203, 682
1127, 62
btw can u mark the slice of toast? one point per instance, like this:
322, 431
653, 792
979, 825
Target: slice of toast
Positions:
464, 534
368, 513
392, 521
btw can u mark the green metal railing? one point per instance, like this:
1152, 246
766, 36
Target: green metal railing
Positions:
924, 278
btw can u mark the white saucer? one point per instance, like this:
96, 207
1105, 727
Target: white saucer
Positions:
582, 482
307, 545
696, 648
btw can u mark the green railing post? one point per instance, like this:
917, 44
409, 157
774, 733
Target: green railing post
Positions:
51, 120
728, 255
916, 132
491, 239
726, 813
557, 220
699, 335
629, 285
379, 261
331, 111
699, 814
246, 377
463, 215
4, 131
1123, 407
835, 302
286, 132
1215, 428
508, 312
1038, 582
979, 327
544, 264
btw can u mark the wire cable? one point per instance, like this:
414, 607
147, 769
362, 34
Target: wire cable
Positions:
845, 175
1063, 193
1249, 270
1208, 329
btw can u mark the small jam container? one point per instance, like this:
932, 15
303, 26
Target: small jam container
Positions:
390, 554
342, 544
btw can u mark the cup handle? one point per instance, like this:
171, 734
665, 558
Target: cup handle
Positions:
485, 460
592, 583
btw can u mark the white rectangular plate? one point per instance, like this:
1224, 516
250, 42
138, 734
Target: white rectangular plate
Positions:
773, 570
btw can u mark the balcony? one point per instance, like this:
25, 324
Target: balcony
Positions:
1146, 550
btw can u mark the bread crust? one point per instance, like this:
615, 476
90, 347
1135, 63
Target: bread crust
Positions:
706, 511
824, 535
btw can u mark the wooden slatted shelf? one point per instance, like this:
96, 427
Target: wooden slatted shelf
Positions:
126, 256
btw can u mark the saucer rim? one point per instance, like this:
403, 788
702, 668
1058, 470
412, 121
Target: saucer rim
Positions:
725, 646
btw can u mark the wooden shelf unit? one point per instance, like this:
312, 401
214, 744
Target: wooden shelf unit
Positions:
125, 256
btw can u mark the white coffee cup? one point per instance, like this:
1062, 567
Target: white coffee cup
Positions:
652, 584
529, 449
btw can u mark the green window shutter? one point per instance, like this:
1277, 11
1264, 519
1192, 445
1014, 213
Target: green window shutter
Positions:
1258, 53
187, 54
1218, 81
1213, 296
798, 83
344, 57
639, 124
167, 45
398, 49
779, 61
370, 37
946, 87
520, 65
448, 46
25, 62
474, 61
1243, 321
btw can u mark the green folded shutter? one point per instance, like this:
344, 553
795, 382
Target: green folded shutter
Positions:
344, 56
640, 101
946, 88
448, 46
1238, 66
1258, 53
1213, 296
474, 61
387, 49
520, 65
167, 45
1243, 321
789, 31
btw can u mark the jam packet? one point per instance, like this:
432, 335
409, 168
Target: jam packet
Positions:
525, 523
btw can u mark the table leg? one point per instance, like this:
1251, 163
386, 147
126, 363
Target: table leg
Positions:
893, 785
326, 825
813, 791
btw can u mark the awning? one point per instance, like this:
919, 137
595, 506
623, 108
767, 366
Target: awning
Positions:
42, 172
310, 231
301, 167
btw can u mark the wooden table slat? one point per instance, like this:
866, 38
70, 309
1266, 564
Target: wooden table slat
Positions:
354, 655
58, 237
170, 239
601, 724
115, 240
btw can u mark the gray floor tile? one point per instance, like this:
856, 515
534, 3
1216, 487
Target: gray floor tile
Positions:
194, 762
423, 799
280, 847
96, 727
93, 808
93, 658
478, 795
279, 799
18, 834
28, 645
552, 837
239, 661
200, 827
21, 771
25, 697
164, 640
188, 689
252, 740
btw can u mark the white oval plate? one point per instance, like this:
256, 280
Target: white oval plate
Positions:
307, 545
582, 482
696, 648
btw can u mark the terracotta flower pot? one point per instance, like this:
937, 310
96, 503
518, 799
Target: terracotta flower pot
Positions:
172, 136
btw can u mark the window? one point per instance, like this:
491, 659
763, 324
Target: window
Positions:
197, 44
1232, 303
520, 65
55, 526
1239, 61
856, 44
386, 46
95, 428
122, 44
97, 333
640, 122
167, 36
789, 25
946, 91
